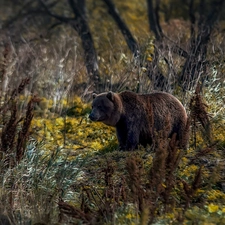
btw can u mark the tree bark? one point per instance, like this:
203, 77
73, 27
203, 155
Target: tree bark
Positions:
159, 81
80, 24
196, 63
153, 16
132, 44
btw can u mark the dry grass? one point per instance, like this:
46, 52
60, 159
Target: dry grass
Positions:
16, 127
117, 187
108, 187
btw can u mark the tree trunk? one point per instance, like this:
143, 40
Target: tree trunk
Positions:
195, 64
132, 44
159, 81
80, 24
153, 17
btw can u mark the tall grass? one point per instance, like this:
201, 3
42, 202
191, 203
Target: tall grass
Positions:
32, 189
38, 186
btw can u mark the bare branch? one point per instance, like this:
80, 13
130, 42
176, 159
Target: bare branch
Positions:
196, 62
55, 25
19, 15
61, 18
176, 49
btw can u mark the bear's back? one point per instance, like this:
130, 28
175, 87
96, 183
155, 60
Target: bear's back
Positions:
157, 109
158, 100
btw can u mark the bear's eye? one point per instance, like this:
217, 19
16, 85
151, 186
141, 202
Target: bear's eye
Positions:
99, 107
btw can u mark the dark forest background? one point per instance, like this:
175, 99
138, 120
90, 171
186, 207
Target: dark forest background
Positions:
98, 45
56, 166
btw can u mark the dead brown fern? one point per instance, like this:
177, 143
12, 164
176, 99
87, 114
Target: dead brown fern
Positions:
4, 62
135, 171
162, 176
106, 200
158, 170
190, 190
23, 135
13, 138
199, 114
172, 162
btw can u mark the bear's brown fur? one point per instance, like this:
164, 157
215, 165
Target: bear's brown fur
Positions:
139, 117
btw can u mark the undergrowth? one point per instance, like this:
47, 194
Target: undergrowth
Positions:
64, 169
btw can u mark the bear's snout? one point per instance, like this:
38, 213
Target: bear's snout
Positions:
91, 117
94, 116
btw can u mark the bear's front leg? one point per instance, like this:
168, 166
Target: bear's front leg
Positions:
121, 134
132, 139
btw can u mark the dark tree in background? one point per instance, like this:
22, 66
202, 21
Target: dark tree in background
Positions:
202, 15
154, 73
201, 30
80, 24
131, 42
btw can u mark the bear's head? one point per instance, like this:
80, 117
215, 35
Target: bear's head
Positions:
106, 108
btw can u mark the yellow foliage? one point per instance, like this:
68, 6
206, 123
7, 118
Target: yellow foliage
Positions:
213, 195
213, 208
189, 170
74, 133
79, 133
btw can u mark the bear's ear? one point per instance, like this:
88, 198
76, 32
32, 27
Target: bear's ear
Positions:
94, 95
110, 96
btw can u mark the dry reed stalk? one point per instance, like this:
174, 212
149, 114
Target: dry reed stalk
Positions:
172, 162
14, 94
190, 190
13, 140
23, 135
199, 113
135, 173
5, 60
9, 130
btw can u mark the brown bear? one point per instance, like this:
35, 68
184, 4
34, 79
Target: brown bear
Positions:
138, 117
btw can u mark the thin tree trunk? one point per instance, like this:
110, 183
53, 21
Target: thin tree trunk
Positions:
153, 16
132, 44
159, 81
80, 24
195, 64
